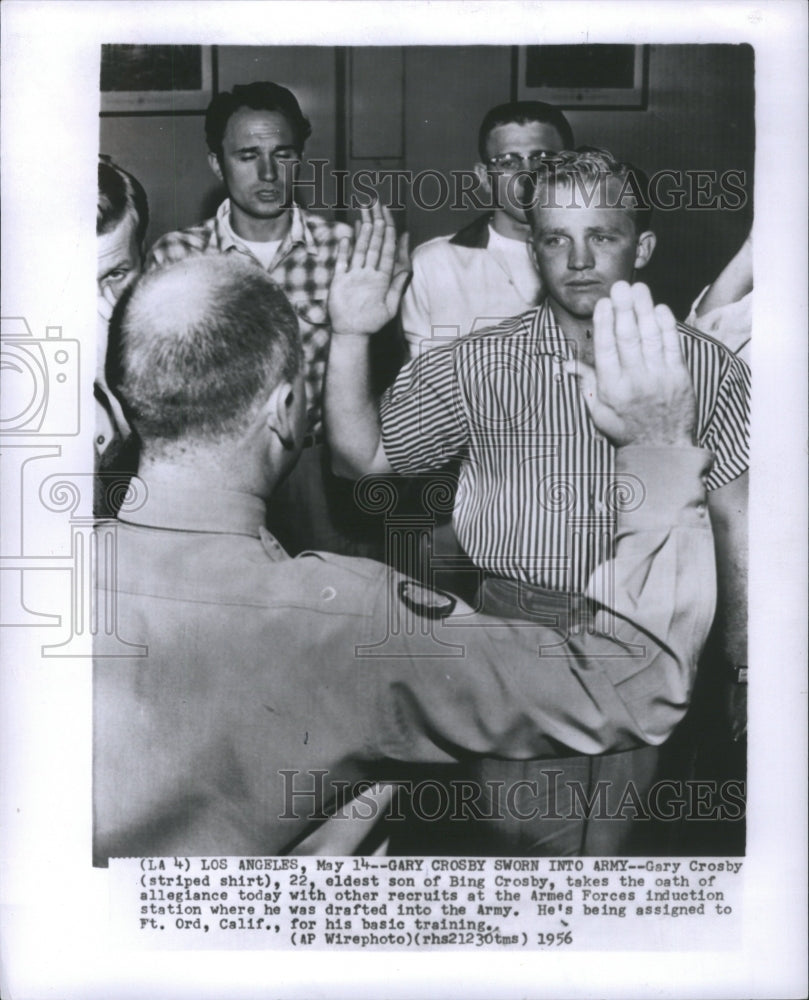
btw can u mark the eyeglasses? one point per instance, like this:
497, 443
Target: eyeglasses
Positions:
510, 163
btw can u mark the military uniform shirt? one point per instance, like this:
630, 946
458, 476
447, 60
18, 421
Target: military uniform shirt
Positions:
257, 666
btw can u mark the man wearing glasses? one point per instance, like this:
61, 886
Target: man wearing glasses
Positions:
484, 273
255, 136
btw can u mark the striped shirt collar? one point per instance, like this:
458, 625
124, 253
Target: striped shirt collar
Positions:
544, 332
299, 233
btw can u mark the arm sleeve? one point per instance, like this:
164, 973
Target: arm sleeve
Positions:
726, 431
514, 689
422, 415
731, 323
416, 322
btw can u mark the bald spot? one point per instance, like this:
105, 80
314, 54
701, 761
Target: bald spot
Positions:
172, 302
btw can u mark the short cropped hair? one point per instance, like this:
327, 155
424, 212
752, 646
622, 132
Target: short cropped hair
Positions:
119, 194
523, 113
592, 167
200, 344
261, 96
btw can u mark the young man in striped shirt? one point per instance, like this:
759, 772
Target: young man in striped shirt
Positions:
537, 496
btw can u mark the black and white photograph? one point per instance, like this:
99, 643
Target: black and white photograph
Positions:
397, 543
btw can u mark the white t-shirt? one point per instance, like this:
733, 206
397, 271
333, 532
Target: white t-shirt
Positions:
457, 289
263, 252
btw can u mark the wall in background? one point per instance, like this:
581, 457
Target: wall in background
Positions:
420, 107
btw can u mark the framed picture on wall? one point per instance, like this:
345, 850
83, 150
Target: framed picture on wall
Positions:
582, 76
156, 78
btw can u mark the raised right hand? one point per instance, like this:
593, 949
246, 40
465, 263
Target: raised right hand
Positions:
368, 283
640, 391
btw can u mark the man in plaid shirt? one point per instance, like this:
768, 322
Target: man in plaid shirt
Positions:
255, 137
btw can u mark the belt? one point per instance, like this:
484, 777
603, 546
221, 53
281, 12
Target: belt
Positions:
527, 600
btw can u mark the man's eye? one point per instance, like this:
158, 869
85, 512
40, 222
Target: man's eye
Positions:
117, 275
553, 241
602, 238
244, 157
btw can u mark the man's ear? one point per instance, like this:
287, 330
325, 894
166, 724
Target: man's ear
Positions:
533, 251
483, 176
213, 163
279, 414
643, 252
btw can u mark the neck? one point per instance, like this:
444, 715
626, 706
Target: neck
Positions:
504, 225
575, 328
204, 469
260, 230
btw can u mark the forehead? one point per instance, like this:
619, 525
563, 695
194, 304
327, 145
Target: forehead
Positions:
120, 244
248, 127
577, 218
514, 138
567, 206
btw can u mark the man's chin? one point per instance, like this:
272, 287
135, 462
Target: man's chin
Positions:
583, 306
268, 209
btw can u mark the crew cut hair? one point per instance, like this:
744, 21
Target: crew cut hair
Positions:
200, 344
259, 96
119, 194
588, 168
523, 113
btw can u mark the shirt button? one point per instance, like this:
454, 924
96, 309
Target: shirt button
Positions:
100, 439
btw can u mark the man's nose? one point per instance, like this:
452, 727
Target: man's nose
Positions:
580, 257
267, 169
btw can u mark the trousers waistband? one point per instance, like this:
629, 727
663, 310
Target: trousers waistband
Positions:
527, 600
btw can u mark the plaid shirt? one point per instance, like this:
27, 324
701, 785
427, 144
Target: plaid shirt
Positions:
303, 266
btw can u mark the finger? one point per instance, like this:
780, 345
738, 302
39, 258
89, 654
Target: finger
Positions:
651, 336
672, 348
627, 337
377, 239
586, 377
362, 239
396, 290
387, 254
579, 370
605, 352
343, 254
403, 254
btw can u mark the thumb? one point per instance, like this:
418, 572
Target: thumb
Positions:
397, 287
586, 376
403, 252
